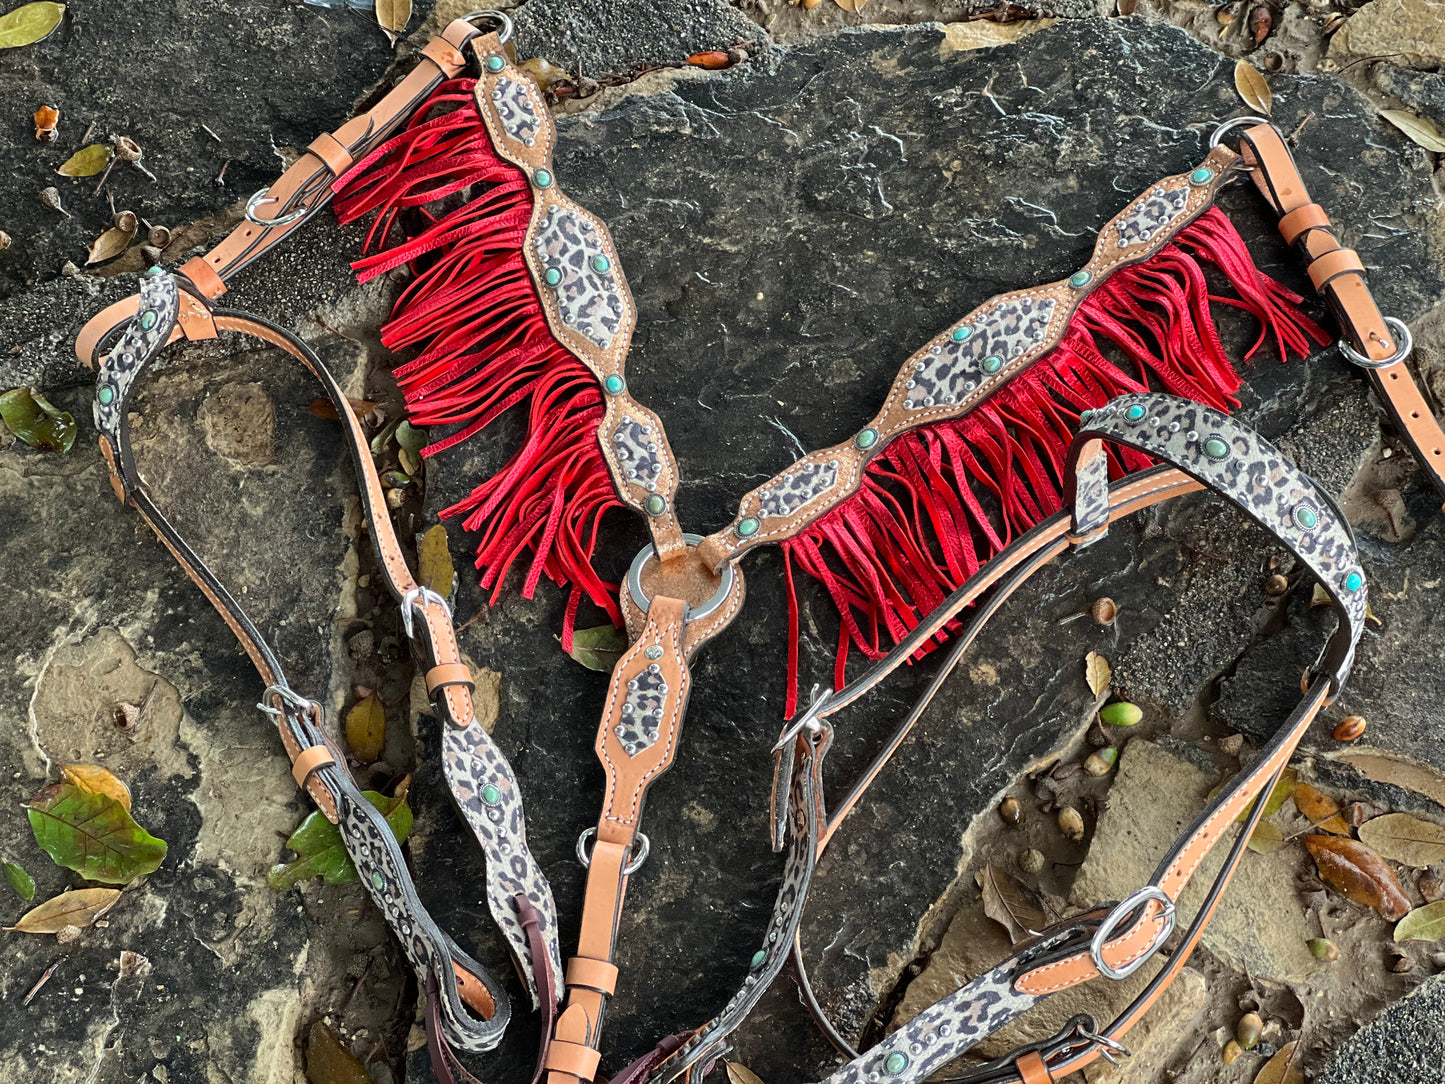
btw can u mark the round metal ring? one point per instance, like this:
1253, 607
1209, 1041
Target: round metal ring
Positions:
504, 34
258, 198
1122, 911
1230, 125
585, 857
1404, 343
634, 582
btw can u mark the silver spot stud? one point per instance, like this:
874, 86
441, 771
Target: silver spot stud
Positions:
654, 652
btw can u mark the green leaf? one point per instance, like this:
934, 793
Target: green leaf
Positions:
410, 437
1277, 797
322, 853
22, 882
93, 835
36, 421
87, 162
29, 23
366, 729
383, 438
1423, 923
599, 648
1265, 838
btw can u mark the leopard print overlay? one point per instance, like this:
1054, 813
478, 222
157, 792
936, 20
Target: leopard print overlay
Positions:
698, 1053
1091, 495
486, 792
142, 339
954, 368
1243, 466
588, 300
1157, 212
642, 711
796, 488
518, 110
374, 852
637, 451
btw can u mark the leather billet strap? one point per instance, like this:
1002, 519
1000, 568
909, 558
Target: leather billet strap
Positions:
964, 364
1339, 276
304, 188
1206, 449
480, 777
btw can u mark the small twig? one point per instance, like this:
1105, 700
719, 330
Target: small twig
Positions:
357, 988
1293, 139
140, 166
105, 175
86, 138
210, 133
40, 982
221, 177
140, 711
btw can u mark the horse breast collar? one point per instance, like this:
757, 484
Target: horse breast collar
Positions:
991, 456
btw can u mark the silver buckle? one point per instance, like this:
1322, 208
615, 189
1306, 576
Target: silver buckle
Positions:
1122, 911
585, 857
504, 34
648, 552
409, 602
1228, 126
258, 198
1404, 343
808, 720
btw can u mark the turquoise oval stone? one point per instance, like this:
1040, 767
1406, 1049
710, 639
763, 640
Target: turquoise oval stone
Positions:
552, 276
495, 64
656, 505
961, 333
154, 270
542, 178
758, 958
1354, 581
1215, 448
601, 264
1134, 413
1080, 278
491, 795
614, 384
1306, 517
896, 1062
105, 394
748, 526
1201, 176
148, 320
992, 364
866, 439
377, 879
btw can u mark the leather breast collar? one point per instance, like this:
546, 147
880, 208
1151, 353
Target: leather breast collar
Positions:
683, 589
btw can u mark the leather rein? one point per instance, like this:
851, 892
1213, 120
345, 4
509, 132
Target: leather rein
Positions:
684, 589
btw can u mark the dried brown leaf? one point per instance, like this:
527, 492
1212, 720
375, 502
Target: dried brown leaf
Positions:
1358, 873
1097, 673
1281, 1069
1405, 839
434, 568
109, 245
94, 779
392, 16
738, 1073
1418, 130
1321, 810
78, 908
1422, 924
1010, 903
1261, 22
366, 729
1250, 83
328, 1061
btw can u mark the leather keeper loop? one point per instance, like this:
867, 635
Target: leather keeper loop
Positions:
203, 276
596, 975
1340, 261
308, 760
1032, 1069
327, 148
1311, 216
445, 56
449, 673
574, 1058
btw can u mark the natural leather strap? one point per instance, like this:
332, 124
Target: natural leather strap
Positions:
1032, 1069
1340, 277
599, 975
307, 761
451, 673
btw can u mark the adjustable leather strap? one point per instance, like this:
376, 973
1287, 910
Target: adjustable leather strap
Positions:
1339, 276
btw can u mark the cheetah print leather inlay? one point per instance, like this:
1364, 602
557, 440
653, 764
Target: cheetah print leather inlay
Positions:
147, 332
642, 711
796, 488
1155, 213
950, 370
588, 299
520, 111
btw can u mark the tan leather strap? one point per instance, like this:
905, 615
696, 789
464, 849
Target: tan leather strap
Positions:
599, 975
1328, 266
327, 148
1032, 1069
202, 274
574, 1059
307, 761
451, 673
1310, 216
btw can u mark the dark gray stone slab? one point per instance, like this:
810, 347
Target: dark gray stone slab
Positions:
1405, 1044
600, 36
1423, 92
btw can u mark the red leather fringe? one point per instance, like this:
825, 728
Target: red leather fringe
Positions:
940, 501
473, 313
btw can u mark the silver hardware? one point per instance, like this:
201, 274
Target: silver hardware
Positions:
504, 21
1404, 343
1228, 126
1122, 911
585, 857
807, 721
259, 198
1110, 1046
409, 603
288, 695
648, 552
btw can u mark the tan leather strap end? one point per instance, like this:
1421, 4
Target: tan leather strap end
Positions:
194, 318
331, 152
575, 1059
599, 975
445, 56
1310, 216
203, 276
449, 673
308, 760
1331, 265
476, 996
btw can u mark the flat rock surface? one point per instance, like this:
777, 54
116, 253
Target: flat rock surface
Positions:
791, 228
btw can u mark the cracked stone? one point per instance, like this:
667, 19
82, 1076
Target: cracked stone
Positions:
240, 424
1409, 31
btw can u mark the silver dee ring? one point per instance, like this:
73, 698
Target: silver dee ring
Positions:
1122, 911
504, 34
258, 198
697, 613
1404, 343
585, 857
1230, 125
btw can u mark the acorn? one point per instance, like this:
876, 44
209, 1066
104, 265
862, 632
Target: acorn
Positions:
1071, 824
1350, 728
1232, 1050
1247, 1032
1397, 961
1011, 812
1104, 611
126, 221
1102, 762
1031, 860
160, 236
1276, 585
4, 240
1121, 713
1322, 948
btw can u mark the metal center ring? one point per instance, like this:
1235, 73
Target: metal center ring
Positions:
694, 613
